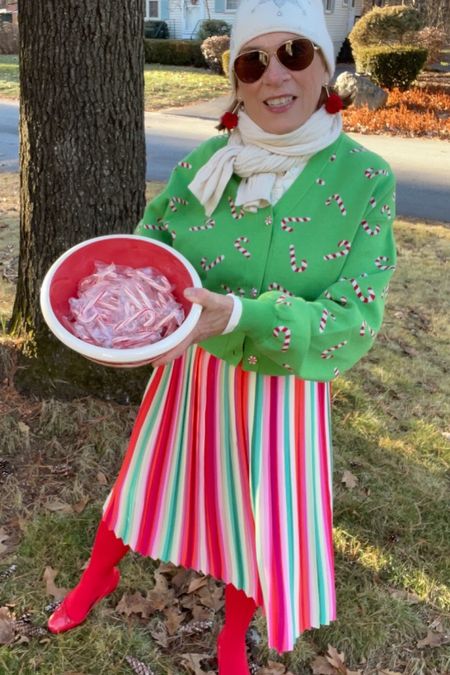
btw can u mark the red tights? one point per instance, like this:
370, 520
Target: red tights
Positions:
108, 550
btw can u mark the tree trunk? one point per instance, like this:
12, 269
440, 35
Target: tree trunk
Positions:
82, 147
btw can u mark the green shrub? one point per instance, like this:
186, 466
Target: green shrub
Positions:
174, 53
212, 50
210, 27
384, 25
226, 62
391, 67
156, 29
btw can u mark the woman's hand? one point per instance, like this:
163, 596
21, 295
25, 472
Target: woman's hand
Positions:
213, 320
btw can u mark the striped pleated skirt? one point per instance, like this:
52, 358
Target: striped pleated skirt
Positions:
229, 473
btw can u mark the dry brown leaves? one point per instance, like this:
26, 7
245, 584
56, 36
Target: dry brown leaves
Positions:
417, 112
333, 663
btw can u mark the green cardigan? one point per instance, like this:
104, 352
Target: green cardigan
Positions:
312, 270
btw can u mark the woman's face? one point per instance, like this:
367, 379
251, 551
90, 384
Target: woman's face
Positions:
281, 100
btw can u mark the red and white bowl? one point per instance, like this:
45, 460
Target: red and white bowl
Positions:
61, 283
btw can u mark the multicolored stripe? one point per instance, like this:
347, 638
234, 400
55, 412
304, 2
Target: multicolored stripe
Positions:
229, 472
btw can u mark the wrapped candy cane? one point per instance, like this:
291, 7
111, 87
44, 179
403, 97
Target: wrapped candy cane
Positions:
201, 228
372, 202
234, 212
379, 263
276, 287
370, 292
324, 319
209, 266
339, 254
122, 307
371, 232
328, 353
185, 165
372, 173
238, 246
320, 181
293, 261
283, 330
293, 219
338, 199
177, 200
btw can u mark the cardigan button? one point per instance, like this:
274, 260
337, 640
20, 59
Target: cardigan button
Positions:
254, 292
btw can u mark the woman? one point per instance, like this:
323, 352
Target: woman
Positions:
289, 224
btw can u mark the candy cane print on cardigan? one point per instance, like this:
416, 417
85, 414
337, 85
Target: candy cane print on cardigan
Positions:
267, 274
229, 473
372, 173
383, 259
370, 297
285, 331
238, 246
237, 215
210, 223
177, 200
339, 254
293, 219
324, 319
338, 199
328, 353
209, 266
293, 261
372, 232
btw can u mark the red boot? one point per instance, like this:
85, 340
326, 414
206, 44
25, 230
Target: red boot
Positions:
100, 578
60, 620
231, 647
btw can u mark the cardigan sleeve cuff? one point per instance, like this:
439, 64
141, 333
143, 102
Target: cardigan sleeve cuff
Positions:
235, 314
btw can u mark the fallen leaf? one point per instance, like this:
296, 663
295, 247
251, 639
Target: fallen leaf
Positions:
52, 589
200, 613
137, 666
336, 659
101, 478
159, 633
193, 662
433, 639
389, 672
174, 618
56, 505
6, 626
134, 603
211, 596
320, 666
197, 583
410, 598
22, 639
350, 480
25, 430
81, 505
3, 538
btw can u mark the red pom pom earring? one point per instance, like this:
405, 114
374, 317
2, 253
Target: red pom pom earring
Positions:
229, 120
333, 103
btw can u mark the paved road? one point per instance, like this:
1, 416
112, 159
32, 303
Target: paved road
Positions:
422, 166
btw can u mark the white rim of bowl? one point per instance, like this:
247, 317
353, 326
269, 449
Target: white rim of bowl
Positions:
105, 354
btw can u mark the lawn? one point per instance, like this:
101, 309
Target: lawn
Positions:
422, 111
391, 525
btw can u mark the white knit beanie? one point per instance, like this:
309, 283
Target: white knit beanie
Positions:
303, 17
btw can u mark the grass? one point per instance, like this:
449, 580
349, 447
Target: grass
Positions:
391, 531
165, 86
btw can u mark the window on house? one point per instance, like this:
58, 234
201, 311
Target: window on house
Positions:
152, 9
329, 6
231, 5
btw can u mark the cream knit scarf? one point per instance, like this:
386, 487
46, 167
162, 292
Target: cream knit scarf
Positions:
259, 158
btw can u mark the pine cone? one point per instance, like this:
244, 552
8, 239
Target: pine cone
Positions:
138, 667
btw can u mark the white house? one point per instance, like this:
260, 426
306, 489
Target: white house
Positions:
185, 16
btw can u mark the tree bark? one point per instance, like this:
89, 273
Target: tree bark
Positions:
82, 143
